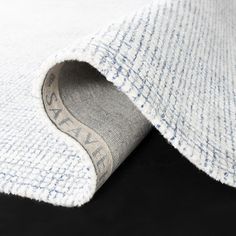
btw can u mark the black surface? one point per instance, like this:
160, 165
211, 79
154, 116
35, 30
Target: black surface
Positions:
156, 191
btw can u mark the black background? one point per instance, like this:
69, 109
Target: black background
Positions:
156, 191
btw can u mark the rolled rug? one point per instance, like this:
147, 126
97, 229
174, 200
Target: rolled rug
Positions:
170, 64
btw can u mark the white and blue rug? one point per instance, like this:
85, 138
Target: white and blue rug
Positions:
79, 92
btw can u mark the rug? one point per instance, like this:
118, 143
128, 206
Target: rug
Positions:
82, 84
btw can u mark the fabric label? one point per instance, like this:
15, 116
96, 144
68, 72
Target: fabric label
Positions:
92, 142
